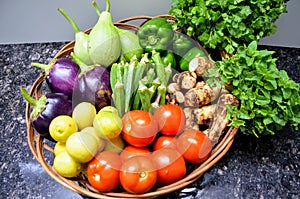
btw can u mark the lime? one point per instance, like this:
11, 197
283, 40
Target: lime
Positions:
82, 146
66, 166
84, 114
61, 127
107, 124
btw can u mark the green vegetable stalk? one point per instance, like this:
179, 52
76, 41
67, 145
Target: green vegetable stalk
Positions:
124, 80
269, 99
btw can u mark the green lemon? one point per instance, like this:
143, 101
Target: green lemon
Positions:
107, 124
84, 114
59, 148
82, 146
61, 127
66, 166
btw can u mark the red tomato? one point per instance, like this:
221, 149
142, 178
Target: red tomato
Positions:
130, 151
103, 171
164, 141
194, 146
138, 174
171, 119
139, 128
170, 165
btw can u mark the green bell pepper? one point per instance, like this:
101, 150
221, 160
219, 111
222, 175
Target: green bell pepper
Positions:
191, 54
156, 34
182, 43
169, 58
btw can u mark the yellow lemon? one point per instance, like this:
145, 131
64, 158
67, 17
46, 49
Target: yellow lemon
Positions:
61, 127
66, 166
82, 146
107, 124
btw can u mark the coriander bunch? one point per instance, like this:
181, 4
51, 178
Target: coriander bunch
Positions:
227, 24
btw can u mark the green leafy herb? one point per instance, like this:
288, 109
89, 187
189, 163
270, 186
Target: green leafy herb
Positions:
269, 99
227, 24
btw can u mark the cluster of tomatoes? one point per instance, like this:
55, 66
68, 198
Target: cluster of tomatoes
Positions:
158, 151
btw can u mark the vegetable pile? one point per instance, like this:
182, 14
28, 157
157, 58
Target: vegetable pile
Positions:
133, 111
226, 25
108, 107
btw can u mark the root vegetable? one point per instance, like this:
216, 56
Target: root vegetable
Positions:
186, 80
199, 116
219, 120
201, 95
200, 64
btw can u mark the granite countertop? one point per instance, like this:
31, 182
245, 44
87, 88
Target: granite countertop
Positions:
268, 167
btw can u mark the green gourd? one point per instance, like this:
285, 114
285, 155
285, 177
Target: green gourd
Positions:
81, 41
130, 44
104, 41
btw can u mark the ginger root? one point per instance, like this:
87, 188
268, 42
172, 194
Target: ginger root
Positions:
200, 95
219, 120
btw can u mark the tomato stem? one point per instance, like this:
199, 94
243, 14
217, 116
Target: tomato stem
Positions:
97, 177
143, 174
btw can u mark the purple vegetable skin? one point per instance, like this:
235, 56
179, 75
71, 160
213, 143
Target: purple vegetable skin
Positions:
61, 75
46, 109
93, 86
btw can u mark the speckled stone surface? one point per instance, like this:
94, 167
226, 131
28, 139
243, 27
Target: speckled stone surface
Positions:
268, 167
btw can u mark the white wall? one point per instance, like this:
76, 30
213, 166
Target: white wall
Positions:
27, 21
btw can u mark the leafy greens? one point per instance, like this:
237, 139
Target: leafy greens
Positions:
227, 24
269, 99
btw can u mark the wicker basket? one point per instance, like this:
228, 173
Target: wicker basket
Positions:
40, 148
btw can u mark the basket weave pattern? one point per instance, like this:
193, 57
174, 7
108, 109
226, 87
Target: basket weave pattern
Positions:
80, 185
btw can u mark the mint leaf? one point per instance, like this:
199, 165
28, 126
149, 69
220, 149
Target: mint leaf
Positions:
269, 99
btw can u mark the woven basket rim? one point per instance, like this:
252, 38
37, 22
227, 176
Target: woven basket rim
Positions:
38, 146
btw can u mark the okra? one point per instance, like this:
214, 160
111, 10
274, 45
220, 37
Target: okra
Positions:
119, 97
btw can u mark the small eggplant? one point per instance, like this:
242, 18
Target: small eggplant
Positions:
46, 108
94, 87
61, 75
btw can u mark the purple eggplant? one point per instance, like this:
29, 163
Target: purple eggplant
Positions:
46, 108
61, 75
93, 86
